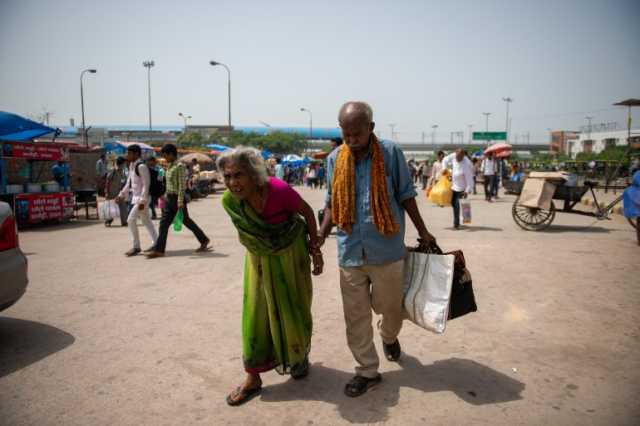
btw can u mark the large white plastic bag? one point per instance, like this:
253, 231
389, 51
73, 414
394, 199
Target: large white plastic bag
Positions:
114, 210
427, 289
108, 210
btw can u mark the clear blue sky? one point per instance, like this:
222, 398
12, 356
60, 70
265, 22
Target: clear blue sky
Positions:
418, 63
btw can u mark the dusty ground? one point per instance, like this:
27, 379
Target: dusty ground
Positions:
100, 339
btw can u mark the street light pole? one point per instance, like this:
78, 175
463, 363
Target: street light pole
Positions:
486, 117
433, 136
214, 63
470, 126
184, 119
507, 100
310, 121
84, 129
148, 65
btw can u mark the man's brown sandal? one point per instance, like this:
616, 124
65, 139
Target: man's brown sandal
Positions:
359, 385
204, 247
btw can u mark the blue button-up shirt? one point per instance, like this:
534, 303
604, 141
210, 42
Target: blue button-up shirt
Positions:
365, 244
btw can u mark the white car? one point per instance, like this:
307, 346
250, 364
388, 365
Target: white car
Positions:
13, 263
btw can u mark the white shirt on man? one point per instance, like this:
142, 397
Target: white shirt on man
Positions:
461, 174
137, 183
489, 167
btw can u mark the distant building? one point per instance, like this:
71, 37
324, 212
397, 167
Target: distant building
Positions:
562, 141
210, 130
597, 141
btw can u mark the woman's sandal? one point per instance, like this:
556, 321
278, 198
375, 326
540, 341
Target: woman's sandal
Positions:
300, 371
244, 395
359, 385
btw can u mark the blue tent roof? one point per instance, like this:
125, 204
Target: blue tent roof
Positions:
16, 128
218, 147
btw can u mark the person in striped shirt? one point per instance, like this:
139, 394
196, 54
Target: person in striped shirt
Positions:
176, 184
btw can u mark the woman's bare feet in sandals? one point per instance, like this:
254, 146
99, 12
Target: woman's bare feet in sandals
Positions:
247, 391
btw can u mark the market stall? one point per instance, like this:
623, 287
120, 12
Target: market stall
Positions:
34, 177
203, 177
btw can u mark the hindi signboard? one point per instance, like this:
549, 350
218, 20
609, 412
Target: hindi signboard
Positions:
35, 208
35, 151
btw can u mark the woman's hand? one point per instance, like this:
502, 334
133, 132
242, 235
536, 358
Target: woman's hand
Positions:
316, 257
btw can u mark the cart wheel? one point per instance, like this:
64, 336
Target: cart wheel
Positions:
633, 222
532, 219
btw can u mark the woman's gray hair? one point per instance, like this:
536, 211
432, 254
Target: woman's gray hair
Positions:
248, 159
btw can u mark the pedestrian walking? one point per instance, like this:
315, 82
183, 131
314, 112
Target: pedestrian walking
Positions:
115, 181
276, 318
489, 168
461, 180
321, 176
476, 170
157, 186
101, 173
425, 172
175, 201
137, 185
369, 189
436, 170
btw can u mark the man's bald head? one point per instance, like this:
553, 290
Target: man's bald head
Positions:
356, 122
355, 113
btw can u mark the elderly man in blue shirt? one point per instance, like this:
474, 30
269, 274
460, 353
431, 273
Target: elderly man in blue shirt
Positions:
369, 189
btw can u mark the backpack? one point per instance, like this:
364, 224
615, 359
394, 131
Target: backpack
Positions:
157, 187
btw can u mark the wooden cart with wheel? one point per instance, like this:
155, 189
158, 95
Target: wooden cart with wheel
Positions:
539, 218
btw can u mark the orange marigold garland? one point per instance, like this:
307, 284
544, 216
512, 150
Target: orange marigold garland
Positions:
344, 191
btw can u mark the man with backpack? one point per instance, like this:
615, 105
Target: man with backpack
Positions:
138, 182
156, 187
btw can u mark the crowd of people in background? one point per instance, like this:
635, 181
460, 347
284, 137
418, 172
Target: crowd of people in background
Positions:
140, 186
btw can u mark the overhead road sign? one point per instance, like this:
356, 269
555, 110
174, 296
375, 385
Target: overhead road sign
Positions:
489, 136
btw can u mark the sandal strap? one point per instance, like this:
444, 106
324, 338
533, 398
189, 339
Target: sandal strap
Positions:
358, 383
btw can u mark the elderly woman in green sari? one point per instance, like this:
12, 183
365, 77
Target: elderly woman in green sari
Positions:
279, 230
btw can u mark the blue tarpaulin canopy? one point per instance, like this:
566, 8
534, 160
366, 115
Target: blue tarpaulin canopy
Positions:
217, 147
16, 128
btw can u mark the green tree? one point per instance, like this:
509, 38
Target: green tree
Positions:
191, 139
276, 142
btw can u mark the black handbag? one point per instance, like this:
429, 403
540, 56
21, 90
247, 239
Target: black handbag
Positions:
463, 300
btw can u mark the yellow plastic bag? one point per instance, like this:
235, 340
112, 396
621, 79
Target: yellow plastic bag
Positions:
441, 193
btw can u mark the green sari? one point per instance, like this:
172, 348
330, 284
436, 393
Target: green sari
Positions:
276, 318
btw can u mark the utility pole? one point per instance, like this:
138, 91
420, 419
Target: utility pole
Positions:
486, 121
84, 129
589, 118
486, 127
423, 138
213, 64
470, 126
148, 65
507, 100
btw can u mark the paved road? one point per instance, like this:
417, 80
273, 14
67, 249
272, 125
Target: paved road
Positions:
100, 339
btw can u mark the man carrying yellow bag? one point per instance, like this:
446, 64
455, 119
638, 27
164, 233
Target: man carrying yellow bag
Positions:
441, 193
